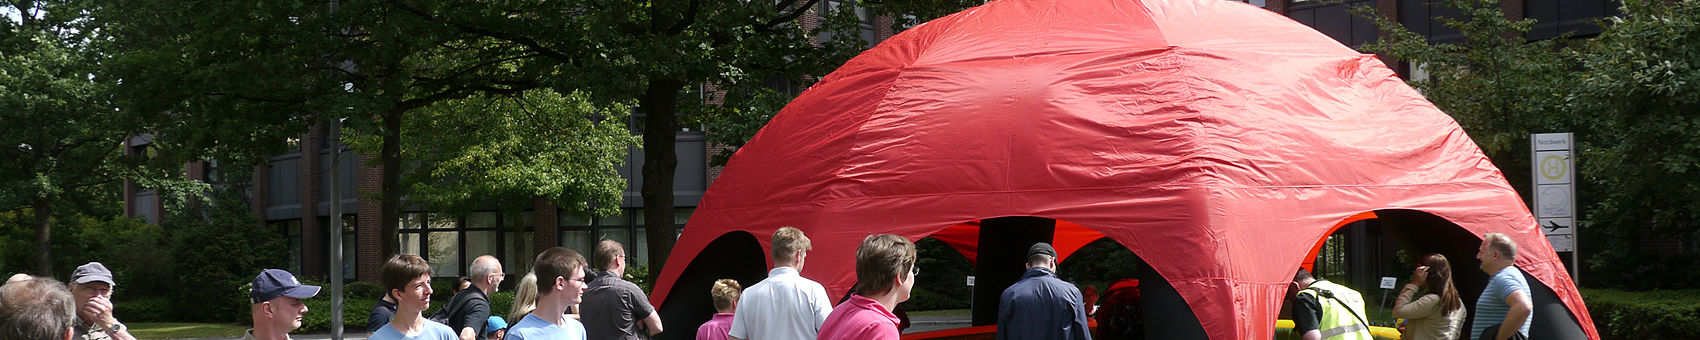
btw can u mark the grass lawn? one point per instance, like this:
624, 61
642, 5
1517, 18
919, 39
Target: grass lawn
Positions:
179, 330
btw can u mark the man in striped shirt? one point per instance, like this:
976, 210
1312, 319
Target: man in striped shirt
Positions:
1506, 299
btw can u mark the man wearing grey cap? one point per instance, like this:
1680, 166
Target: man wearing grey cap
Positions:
1040, 306
91, 286
275, 301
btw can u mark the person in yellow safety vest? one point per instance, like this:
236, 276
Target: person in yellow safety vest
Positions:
1325, 310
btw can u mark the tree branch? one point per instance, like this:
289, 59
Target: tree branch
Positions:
522, 40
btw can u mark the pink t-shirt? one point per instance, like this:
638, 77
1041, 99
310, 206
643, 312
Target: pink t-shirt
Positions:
859, 318
716, 328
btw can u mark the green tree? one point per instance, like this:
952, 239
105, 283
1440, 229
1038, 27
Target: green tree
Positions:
1637, 101
62, 135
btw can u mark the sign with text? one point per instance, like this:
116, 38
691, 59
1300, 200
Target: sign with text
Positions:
1387, 282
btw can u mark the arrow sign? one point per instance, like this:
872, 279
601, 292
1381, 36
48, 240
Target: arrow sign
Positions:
1557, 226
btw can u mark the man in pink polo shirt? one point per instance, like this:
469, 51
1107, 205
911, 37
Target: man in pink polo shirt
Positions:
885, 274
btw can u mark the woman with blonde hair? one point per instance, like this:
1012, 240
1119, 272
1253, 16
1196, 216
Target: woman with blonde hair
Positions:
1438, 314
525, 297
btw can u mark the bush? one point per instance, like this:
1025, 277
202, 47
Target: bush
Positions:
218, 249
362, 290
354, 314
144, 309
1669, 314
500, 303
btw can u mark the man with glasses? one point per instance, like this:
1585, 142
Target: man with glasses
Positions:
91, 286
469, 311
616, 309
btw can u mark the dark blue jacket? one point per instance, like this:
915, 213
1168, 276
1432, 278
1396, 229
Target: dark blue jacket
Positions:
1040, 306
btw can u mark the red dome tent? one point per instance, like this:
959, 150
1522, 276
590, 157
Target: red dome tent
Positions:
1217, 141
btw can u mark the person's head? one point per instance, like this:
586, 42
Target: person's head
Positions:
885, 263
19, 277
90, 282
274, 300
560, 275
39, 308
525, 297
495, 328
462, 283
1439, 281
407, 278
790, 247
487, 273
1042, 255
1497, 252
726, 292
611, 256
1301, 280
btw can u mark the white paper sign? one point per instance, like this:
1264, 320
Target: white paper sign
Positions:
970, 280
1561, 242
1387, 282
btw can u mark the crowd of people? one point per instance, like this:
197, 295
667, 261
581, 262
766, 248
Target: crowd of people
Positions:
786, 305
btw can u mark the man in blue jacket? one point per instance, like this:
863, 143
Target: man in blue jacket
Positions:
1040, 306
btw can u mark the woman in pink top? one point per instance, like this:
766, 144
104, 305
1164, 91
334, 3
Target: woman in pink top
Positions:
885, 274
725, 294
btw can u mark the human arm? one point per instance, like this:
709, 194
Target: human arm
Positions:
653, 323
1307, 317
100, 310
473, 323
1410, 307
1521, 307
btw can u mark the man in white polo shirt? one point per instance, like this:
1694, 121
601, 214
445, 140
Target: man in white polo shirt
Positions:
785, 306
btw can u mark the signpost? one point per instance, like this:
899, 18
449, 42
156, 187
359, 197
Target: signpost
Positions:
1554, 173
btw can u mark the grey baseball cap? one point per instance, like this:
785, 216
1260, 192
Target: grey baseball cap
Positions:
91, 272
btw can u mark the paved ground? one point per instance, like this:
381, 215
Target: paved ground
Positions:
916, 324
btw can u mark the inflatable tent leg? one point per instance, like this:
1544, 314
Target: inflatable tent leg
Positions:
1002, 258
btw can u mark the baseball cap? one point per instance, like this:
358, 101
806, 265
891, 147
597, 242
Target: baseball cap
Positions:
495, 323
1041, 248
272, 283
91, 272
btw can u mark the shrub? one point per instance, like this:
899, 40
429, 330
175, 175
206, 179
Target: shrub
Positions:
318, 317
144, 309
218, 249
1669, 314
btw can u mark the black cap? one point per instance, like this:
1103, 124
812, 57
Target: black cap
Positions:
1042, 248
272, 283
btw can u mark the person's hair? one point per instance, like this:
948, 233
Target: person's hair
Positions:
482, 267
881, 259
401, 269
787, 241
1500, 243
1039, 260
525, 297
725, 292
605, 253
1302, 275
37, 309
1440, 282
555, 262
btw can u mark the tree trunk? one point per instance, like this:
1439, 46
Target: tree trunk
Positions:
389, 155
43, 235
660, 104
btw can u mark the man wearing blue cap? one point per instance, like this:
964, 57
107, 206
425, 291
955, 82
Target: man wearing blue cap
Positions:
91, 286
275, 302
497, 328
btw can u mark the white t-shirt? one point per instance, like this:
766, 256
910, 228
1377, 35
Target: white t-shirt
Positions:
785, 306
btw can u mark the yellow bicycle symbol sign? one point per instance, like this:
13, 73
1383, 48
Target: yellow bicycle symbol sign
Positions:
1553, 167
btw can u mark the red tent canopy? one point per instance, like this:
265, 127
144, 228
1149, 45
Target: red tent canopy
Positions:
1218, 141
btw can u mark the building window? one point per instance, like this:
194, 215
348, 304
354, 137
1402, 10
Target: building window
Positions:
581, 235
349, 242
291, 230
450, 243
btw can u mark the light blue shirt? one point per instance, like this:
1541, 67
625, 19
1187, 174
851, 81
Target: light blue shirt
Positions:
432, 331
534, 328
1491, 307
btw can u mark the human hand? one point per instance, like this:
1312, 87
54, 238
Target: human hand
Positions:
1420, 276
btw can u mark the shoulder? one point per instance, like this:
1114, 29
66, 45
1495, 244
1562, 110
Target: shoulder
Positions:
434, 327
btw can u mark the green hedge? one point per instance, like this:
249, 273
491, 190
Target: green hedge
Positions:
358, 301
1667, 314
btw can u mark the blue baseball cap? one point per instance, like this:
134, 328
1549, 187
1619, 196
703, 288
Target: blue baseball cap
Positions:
272, 283
494, 324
